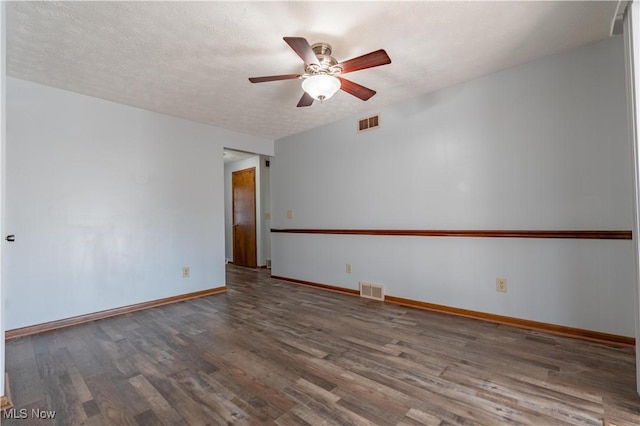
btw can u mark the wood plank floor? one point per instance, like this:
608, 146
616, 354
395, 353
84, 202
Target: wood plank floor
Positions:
270, 352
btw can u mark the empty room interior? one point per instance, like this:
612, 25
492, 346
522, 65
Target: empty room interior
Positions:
304, 213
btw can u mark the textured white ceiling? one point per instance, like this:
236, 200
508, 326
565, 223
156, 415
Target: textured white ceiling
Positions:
231, 156
192, 59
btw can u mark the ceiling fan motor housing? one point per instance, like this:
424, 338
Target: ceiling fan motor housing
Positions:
325, 60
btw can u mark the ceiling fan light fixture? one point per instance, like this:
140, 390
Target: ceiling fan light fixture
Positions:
321, 86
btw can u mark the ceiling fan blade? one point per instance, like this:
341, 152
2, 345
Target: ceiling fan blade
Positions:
305, 101
355, 89
273, 78
303, 49
370, 60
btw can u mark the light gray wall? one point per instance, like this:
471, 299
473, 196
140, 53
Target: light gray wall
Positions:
631, 34
265, 197
3, 76
540, 146
108, 203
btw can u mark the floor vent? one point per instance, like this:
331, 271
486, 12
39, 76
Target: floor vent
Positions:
369, 123
372, 291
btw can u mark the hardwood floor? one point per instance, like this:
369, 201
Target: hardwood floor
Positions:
271, 352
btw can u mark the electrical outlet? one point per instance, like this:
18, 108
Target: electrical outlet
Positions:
267, 216
186, 272
501, 284
289, 214
348, 268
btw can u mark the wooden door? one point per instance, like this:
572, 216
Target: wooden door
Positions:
243, 186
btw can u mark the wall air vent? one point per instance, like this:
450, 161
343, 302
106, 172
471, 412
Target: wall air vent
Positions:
369, 123
371, 291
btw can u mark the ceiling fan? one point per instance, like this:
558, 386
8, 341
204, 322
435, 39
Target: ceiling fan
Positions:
322, 73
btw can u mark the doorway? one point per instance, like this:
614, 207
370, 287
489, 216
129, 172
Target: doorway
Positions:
243, 190
236, 161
